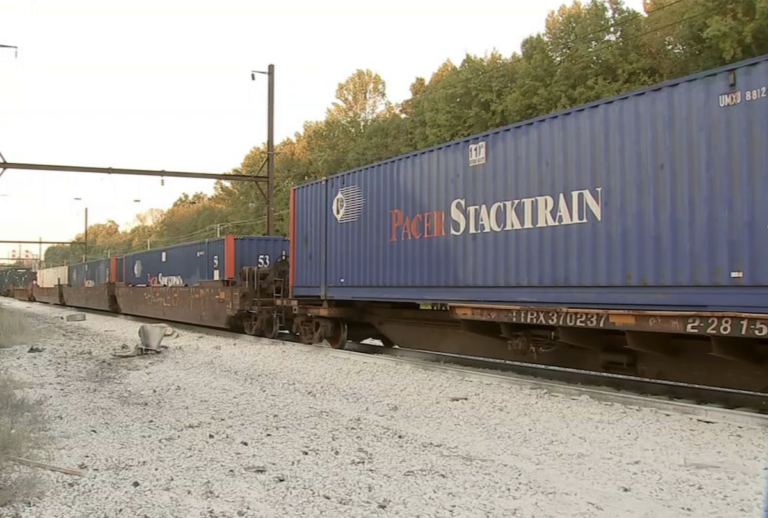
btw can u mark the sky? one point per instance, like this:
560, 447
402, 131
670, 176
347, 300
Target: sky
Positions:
165, 84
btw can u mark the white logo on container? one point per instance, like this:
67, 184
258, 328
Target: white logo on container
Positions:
476, 154
348, 204
137, 268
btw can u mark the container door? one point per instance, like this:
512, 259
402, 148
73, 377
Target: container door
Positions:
324, 243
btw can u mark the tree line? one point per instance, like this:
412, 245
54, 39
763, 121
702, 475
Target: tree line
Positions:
587, 51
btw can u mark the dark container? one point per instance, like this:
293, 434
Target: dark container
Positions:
118, 270
649, 199
15, 277
90, 273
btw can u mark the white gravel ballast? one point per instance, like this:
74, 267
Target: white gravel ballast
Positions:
233, 427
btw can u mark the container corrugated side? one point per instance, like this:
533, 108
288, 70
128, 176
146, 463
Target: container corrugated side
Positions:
308, 239
649, 199
89, 273
50, 277
260, 251
186, 264
119, 269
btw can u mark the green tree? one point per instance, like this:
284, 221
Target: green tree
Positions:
359, 99
694, 36
460, 101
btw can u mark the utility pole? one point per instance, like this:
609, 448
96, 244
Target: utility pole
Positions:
271, 153
270, 162
85, 255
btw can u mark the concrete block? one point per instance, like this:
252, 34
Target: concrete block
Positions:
75, 317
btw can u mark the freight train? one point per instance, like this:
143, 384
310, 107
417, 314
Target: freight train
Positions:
627, 236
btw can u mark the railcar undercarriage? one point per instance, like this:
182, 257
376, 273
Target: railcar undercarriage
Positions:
715, 349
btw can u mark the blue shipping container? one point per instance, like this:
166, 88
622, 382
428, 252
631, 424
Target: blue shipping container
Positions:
90, 273
260, 251
190, 263
653, 198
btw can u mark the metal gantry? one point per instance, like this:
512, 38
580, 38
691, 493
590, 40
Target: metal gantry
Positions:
123, 171
256, 178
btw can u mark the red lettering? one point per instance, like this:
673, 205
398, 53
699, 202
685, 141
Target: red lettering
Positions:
439, 223
428, 224
421, 225
406, 229
397, 221
415, 226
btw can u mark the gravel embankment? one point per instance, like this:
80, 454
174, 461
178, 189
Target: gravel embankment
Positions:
220, 427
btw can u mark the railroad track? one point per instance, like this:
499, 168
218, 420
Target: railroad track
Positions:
701, 402
705, 403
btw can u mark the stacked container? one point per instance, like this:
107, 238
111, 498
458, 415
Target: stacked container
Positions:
654, 198
189, 264
90, 273
51, 277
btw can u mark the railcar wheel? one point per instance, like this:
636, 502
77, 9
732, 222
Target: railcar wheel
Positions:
337, 338
386, 342
304, 329
250, 326
271, 327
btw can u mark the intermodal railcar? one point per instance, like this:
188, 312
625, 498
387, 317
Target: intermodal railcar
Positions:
626, 235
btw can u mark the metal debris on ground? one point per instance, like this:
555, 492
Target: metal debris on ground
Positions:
75, 317
49, 467
151, 336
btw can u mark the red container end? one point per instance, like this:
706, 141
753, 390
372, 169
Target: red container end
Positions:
113, 269
229, 256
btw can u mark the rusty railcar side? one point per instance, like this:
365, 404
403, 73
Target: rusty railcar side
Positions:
100, 297
208, 305
22, 293
48, 295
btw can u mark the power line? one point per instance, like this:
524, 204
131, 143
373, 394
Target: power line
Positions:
676, 22
628, 19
